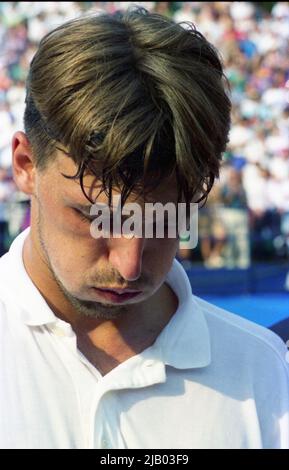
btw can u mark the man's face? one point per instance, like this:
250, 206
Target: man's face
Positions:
85, 268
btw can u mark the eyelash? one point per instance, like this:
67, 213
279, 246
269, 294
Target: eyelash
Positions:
83, 217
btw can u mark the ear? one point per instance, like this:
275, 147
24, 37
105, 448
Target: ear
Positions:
23, 163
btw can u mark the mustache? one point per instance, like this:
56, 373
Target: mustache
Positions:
115, 280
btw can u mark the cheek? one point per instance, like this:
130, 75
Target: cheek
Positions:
73, 254
64, 228
72, 262
160, 256
71, 249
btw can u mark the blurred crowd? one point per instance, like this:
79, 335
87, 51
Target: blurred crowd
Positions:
247, 214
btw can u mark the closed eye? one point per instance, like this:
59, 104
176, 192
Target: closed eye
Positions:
82, 216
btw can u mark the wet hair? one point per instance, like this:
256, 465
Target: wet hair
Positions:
132, 98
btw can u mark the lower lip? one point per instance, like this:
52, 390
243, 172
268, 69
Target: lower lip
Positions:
114, 297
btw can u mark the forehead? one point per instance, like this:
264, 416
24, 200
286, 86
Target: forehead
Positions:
70, 190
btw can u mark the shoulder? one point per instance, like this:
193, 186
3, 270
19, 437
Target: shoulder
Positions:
248, 365
241, 338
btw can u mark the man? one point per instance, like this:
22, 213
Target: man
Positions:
103, 343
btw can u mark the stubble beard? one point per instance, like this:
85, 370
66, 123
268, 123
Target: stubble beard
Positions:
88, 308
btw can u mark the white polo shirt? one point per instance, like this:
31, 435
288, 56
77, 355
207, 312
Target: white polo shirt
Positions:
210, 380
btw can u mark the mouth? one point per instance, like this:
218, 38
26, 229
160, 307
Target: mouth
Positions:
117, 295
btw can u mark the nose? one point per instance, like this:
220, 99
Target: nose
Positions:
125, 255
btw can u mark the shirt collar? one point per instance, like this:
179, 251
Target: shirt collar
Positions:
183, 343
18, 286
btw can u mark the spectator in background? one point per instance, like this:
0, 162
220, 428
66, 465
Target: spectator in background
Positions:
6, 189
235, 219
212, 231
6, 122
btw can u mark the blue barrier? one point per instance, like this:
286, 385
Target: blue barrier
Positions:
258, 278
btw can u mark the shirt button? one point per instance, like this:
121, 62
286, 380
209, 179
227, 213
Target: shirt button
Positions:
56, 330
149, 362
104, 444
